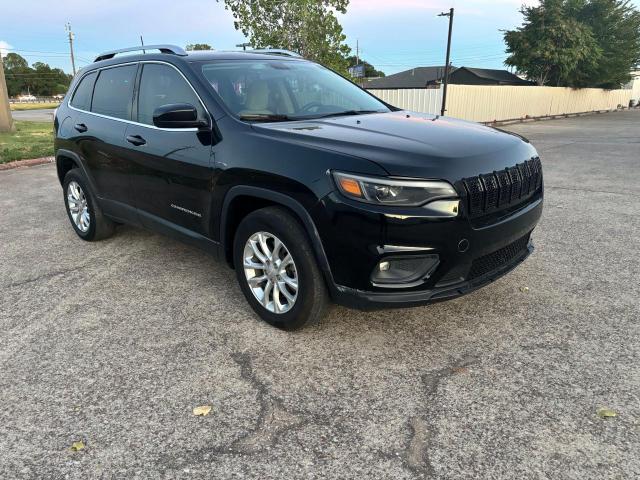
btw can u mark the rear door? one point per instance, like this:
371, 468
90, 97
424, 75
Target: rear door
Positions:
101, 106
111, 109
172, 168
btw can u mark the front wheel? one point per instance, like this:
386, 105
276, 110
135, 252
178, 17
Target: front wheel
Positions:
277, 270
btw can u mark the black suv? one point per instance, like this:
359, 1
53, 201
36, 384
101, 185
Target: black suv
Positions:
309, 186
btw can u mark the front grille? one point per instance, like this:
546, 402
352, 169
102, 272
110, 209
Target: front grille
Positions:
493, 261
492, 192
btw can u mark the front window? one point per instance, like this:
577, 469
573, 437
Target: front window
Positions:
162, 85
272, 90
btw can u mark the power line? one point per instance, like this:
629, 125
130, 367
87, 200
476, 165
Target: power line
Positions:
35, 74
31, 53
35, 51
48, 55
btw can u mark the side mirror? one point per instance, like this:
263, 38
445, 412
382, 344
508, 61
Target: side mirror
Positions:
177, 115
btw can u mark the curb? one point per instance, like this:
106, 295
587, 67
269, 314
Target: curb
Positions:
26, 163
513, 121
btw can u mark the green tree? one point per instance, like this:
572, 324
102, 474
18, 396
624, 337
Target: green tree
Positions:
577, 43
308, 27
615, 25
39, 79
550, 45
369, 70
198, 46
13, 61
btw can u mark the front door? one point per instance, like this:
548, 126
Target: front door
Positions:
171, 168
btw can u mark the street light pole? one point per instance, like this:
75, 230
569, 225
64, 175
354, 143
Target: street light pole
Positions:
447, 67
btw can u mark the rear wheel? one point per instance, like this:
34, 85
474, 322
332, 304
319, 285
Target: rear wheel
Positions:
277, 270
83, 210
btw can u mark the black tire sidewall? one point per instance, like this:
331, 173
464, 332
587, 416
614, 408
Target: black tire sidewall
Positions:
75, 176
295, 240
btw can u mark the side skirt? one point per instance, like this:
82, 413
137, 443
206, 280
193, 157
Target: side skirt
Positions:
132, 216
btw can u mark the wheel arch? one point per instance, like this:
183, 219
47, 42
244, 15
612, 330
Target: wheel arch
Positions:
67, 160
241, 200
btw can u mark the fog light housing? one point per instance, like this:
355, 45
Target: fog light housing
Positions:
404, 271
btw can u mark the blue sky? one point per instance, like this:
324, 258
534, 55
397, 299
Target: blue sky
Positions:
394, 35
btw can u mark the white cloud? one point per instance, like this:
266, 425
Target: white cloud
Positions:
4, 48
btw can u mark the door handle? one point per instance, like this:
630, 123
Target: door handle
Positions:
80, 127
137, 140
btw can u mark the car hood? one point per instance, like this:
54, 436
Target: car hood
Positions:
411, 144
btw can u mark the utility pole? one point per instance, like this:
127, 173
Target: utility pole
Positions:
142, 43
67, 27
6, 120
447, 67
357, 70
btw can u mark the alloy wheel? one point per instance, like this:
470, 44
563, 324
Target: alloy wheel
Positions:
271, 272
78, 208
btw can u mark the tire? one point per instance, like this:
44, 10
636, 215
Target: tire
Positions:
99, 226
310, 298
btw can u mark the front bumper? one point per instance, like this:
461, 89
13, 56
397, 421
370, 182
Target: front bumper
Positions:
363, 300
354, 236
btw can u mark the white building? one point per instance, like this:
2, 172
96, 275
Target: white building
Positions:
634, 85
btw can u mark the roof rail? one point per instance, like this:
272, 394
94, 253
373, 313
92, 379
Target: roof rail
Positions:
171, 49
275, 51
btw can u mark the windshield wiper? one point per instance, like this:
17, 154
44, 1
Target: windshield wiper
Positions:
276, 117
347, 113
265, 117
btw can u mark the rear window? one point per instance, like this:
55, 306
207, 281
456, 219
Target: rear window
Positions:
113, 94
82, 96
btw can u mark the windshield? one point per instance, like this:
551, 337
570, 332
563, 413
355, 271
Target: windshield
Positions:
272, 90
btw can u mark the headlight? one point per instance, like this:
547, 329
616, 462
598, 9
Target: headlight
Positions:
385, 191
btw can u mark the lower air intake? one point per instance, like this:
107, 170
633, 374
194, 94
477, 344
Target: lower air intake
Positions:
493, 261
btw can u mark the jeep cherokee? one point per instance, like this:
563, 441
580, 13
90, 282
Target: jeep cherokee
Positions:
311, 188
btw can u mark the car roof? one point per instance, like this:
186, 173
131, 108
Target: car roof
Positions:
192, 56
237, 55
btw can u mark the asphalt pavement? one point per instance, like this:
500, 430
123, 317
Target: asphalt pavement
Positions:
38, 115
114, 343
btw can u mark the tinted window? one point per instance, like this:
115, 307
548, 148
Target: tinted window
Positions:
82, 96
114, 90
163, 85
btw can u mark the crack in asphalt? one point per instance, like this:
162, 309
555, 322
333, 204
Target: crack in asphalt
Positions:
97, 261
417, 454
273, 419
44, 276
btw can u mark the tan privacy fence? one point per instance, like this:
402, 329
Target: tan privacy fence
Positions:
426, 100
494, 103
